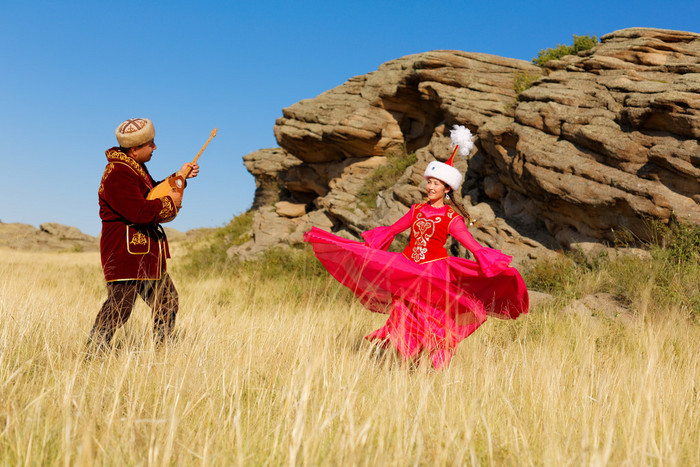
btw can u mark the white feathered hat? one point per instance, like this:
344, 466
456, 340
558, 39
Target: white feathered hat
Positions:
444, 171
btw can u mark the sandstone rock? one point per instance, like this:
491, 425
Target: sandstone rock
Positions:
287, 209
16, 233
604, 146
269, 162
594, 251
49, 237
245, 252
268, 230
538, 298
601, 142
267, 166
399, 104
601, 304
65, 232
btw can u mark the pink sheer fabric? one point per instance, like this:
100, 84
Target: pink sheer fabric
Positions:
432, 306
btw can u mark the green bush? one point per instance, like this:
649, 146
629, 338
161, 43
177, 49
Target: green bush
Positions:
668, 279
385, 176
551, 275
679, 242
208, 253
581, 43
277, 263
522, 80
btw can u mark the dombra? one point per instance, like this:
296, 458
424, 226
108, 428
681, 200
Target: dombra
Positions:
176, 183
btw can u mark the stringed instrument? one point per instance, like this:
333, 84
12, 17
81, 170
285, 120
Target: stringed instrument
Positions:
176, 183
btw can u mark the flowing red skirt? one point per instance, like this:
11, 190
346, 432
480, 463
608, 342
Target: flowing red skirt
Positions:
432, 306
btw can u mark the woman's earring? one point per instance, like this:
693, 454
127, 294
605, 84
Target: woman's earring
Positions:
447, 195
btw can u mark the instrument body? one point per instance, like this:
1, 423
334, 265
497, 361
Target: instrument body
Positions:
164, 188
176, 182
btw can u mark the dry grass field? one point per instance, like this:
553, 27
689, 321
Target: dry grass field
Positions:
276, 372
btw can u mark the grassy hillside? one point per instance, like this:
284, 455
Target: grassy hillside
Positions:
270, 367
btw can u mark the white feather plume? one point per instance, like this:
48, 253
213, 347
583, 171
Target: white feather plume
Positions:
462, 137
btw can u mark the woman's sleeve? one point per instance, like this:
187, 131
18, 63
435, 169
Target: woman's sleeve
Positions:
490, 261
381, 237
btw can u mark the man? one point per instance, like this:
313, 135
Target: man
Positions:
133, 246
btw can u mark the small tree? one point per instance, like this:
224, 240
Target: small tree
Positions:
580, 43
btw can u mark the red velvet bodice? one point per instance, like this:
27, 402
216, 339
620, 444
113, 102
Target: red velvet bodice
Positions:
429, 230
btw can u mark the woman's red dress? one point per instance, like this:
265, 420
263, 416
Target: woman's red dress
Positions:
434, 300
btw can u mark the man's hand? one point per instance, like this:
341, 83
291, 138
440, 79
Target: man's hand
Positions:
177, 198
186, 167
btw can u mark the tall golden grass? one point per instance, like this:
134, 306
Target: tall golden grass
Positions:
263, 375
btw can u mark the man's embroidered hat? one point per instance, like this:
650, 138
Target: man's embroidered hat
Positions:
135, 132
444, 171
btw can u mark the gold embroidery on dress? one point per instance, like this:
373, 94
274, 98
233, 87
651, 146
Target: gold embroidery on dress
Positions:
139, 239
423, 229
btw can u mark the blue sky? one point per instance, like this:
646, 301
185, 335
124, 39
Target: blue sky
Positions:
71, 71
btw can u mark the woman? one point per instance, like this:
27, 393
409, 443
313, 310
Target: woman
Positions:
433, 300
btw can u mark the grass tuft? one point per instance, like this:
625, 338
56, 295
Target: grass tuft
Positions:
385, 176
522, 80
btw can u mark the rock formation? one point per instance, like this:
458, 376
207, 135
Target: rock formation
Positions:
607, 139
51, 236
599, 143
48, 237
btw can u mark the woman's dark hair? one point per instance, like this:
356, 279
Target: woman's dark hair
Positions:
461, 209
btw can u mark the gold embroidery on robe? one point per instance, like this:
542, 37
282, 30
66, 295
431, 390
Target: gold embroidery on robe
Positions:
108, 170
139, 239
137, 242
120, 156
168, 210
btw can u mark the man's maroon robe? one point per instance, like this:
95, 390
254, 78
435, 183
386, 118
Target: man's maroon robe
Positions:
132, 245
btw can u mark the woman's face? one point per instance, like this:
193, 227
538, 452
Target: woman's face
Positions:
436, 189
